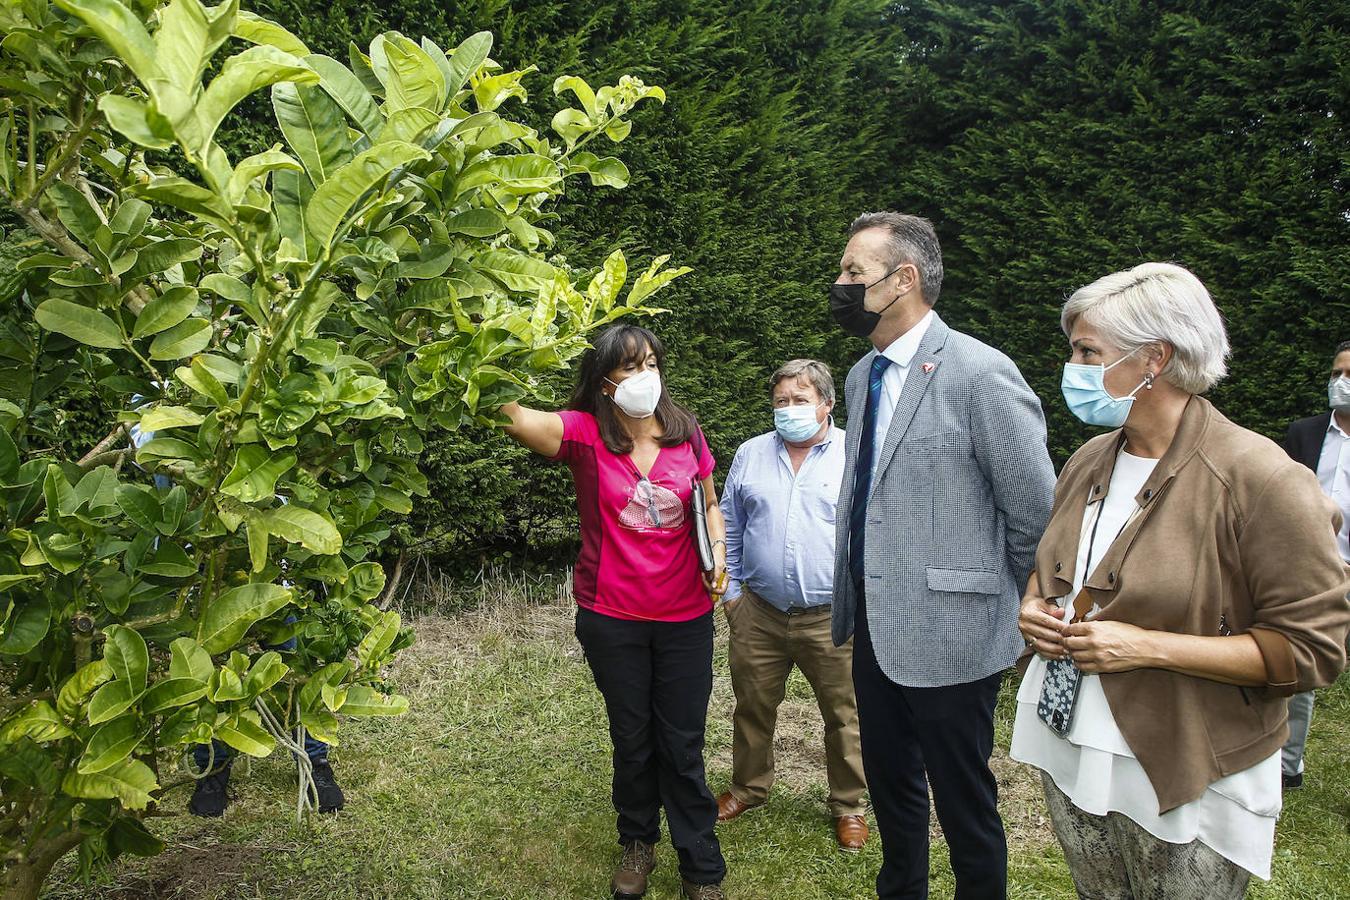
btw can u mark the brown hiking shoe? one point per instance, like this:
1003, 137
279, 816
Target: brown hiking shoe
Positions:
630, 878
703, 891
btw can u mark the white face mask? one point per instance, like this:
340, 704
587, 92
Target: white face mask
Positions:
637, 395
1338, 394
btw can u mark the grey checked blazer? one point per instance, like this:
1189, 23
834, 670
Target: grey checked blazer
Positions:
962, 493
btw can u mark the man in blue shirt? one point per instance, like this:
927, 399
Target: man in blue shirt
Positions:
779, 503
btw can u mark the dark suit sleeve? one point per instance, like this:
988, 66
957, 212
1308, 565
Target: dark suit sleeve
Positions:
1008, 432
1290, 442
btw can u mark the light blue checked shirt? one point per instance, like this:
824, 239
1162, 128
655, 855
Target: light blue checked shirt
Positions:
780, 524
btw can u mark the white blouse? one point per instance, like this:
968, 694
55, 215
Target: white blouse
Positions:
1094, 767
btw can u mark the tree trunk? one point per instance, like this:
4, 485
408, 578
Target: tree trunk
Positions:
22, 881
391, 588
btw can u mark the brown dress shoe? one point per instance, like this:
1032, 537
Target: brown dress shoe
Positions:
702, 891
851, 832
630, 878
729, 807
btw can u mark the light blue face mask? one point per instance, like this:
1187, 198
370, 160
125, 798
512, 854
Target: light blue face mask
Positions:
1084, 389
796, 423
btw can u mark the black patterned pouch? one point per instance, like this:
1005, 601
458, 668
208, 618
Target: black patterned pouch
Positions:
1059, 690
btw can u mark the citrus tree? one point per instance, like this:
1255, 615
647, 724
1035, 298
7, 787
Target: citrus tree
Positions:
275, 334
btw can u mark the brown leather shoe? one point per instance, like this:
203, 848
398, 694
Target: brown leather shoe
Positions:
630, 878
702, 891
729, 807
851, 832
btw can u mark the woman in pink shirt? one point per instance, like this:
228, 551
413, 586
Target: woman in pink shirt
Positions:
644, 616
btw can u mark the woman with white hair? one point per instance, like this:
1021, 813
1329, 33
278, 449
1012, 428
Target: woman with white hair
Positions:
1187, 584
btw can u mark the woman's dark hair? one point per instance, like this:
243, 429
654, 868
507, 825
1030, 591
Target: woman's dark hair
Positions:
616, 346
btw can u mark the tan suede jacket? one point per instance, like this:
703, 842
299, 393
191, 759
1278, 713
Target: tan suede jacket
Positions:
1233, 536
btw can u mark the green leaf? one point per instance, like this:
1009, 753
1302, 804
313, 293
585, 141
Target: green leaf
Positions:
291, 192
130, 781
466, 59
477, 223
129, 220
350, 94
246, 72
410, 77
126, 655
169, 693
85, 325
225, 685
161, 417
334, 199
246, 734
165, 311
257, 30
39, 722
121, 29
8, 581
314, 127
305, 527
250, 170
585, 96
75, 212
187, 38
139, 504
572, 125
363, 700
607, 172
111, 744
187, 659
266, 672
27, 627
379, 639
161, 256
171, 561
184, 339
138, 121
79, 686
366, 580
198, 377
9, 456
111, 700
255, 473
57, 491
230, 615
524, 173
128, 835
515, 270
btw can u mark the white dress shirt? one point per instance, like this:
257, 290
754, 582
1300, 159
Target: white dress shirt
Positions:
1333, 472
901, 353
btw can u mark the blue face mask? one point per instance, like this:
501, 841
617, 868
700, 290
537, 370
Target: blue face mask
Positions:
1084, 389
796, 423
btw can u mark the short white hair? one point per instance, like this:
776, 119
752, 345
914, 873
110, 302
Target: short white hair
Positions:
1157, 302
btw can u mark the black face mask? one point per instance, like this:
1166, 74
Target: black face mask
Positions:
846, 305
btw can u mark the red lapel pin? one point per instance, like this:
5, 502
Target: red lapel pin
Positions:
928, 367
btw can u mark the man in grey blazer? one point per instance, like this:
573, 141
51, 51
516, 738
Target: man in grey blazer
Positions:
947, 487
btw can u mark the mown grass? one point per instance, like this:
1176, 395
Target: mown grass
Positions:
496, 785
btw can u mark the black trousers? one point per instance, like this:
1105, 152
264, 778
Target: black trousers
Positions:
656, 678
943, 736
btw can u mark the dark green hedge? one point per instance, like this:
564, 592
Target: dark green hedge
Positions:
1051, 141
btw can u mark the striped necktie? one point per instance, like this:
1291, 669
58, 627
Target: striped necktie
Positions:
862, 470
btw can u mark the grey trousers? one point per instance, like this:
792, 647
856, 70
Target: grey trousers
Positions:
1300, 718
1112, 858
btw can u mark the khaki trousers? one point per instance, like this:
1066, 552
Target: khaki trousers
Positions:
765, 644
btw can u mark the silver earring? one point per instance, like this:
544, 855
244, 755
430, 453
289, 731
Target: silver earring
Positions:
1148, 380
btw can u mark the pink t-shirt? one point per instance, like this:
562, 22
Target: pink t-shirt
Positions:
638, 559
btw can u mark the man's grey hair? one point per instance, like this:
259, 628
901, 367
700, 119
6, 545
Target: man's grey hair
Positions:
813, 370
1157, 302
912, 240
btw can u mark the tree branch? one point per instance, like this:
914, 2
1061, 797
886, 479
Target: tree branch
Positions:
103, 445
